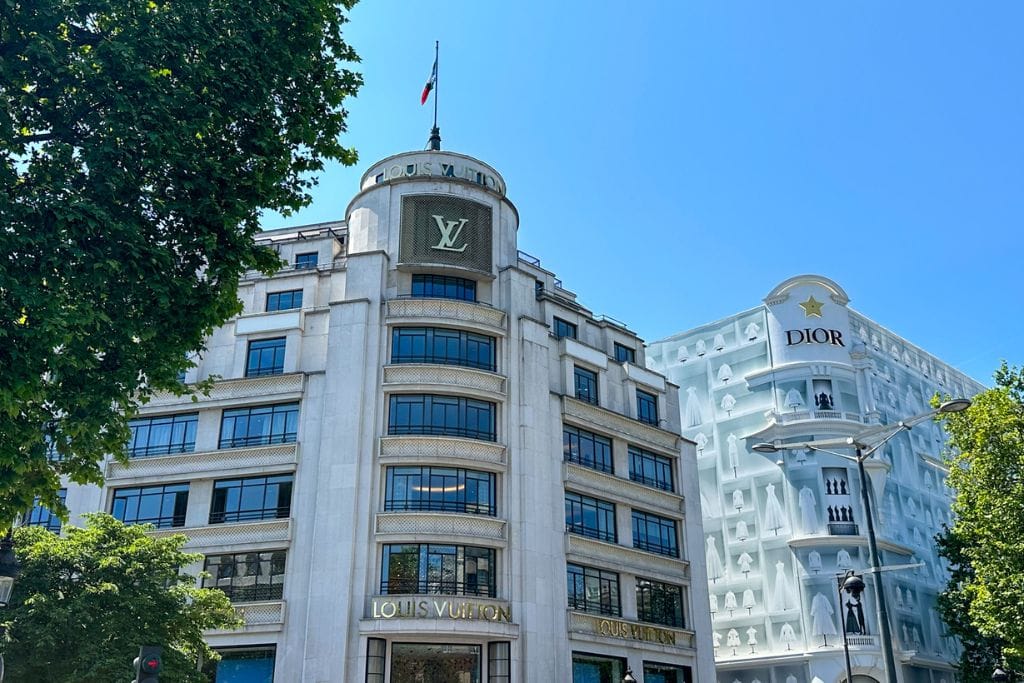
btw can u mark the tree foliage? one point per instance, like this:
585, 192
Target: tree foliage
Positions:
140, 140
84, 604
984, 601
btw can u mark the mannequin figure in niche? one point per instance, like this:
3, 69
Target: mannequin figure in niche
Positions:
787, 636
821, 618
730, 602
734, 454
814, 561
732, 639
823, 401
737, 500
752, 330
744, 561
752, 638
724, 373
719, 342
701, 347
714, 560
728, 403
683, 354
899, 596
774, 517
741, 531
702, 441
748, 600
843, 560
694, 414
854, 622
783, 597
713, 603
716, 639
794, 399
808, 511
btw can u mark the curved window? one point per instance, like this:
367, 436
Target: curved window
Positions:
442, 416
443, 287
440, 489
433, 569
441, 345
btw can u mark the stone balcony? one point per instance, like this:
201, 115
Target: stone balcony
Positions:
432, 311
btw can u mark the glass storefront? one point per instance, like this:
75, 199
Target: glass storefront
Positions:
249, 665
435, 663
667, 673
595, 669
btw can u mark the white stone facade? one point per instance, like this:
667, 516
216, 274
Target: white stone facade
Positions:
505, 614
779, 527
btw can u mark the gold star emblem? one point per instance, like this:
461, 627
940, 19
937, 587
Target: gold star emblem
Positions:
812, 308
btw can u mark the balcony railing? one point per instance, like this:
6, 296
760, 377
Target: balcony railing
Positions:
436, 587
842, 529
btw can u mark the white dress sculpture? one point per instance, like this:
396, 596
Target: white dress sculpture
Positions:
814, 561
719, 342
702, 441
713, 602
821, 617
732, 638
787, 636
734, 453
744, 561
741, 531
752, 330
774, 517
751, 637
791, 678
724, 373
700, 347
716, 637
730, 602
714, 560
748, 600
694, 416
737, 499
728, 403
808, 511
843, 560
783, 589
683, 354
794, 399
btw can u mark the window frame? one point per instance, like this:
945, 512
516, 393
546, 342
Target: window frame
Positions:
608, 589
576, 453
303, 262
431, 286
660, 463
274, 348
643, 414
431, 564
646, 605
181, 433
226, 505
279, 297
42, 516
578, 507
280, 415
435, 346
562, 328
464, 482
623, 353
442, 415
586, 385
178, 493
666, 545
256, 592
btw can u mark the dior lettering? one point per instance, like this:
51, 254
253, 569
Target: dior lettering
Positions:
450, 231
817, 335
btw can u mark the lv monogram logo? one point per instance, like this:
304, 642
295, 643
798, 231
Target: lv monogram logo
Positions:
450, 231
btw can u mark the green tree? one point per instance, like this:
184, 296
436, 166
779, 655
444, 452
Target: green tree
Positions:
85, 602
983, 603
140, 140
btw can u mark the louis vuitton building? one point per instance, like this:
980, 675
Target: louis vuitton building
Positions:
423, 460
779, 528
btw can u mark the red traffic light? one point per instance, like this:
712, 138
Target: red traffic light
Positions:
150, 664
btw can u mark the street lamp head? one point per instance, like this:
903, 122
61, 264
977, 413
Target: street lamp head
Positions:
999, 675
954, 405
766, 447
628, 678
854, 585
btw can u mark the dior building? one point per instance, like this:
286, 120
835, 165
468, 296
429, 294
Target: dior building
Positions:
423, 460
782, 528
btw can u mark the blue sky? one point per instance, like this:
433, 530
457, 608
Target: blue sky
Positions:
673, 161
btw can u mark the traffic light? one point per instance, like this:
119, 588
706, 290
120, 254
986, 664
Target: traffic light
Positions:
148, 664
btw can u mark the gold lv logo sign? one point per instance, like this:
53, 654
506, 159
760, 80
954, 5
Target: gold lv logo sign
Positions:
450, 231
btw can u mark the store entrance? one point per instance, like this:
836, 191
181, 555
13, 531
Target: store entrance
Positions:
435, 663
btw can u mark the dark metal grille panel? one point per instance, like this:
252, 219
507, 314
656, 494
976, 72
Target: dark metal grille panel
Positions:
446, 230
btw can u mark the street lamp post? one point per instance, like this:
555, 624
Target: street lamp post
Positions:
853, 585
628, 678
865, 444
9, 570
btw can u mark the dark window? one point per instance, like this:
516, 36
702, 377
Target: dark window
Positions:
667, 673
499, 658
250, 499
238, 665
161, 506
442, 416
588, 668
306, 260
259, 426
564, 328
266, 357
162, 435
586, 384
651, 469
659, 603
646, 407
443, 287
655, 534
587, 449
432, 569
247, 577
593, 590
376, 656
625, 354
440, 489
590, 517
282, 301
41, 516
441, 345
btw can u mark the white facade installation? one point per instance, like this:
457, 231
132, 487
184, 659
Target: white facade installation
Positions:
780, 528
423, 460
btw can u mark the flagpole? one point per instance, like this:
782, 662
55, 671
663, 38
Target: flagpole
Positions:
437, 51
